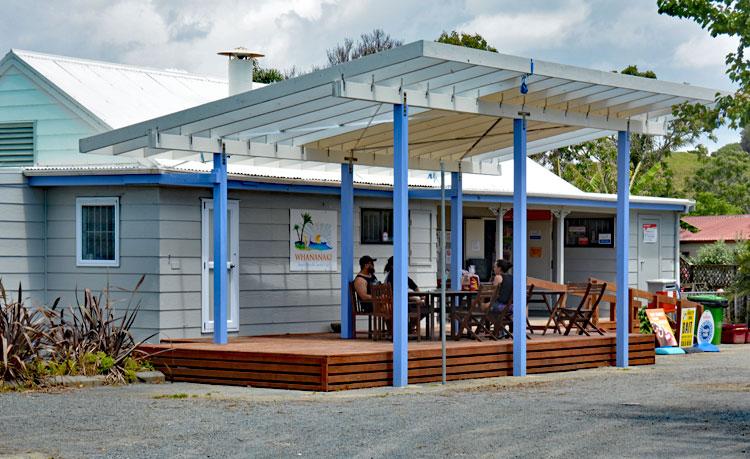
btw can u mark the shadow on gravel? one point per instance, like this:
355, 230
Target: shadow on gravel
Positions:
703, 429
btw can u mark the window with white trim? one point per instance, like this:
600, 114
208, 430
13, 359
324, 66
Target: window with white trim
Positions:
98, 231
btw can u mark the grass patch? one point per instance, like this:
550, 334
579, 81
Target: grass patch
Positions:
683, 165
172, 396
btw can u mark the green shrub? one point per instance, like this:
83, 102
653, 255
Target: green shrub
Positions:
717, 253
23, 337
86, 339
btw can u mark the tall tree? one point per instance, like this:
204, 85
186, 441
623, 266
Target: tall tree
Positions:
745, 139
464, 39
266, 75
368, 43
721, 18
722, 183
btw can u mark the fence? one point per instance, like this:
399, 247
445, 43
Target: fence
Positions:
710, 279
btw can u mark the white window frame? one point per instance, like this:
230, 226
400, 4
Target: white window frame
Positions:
108, 201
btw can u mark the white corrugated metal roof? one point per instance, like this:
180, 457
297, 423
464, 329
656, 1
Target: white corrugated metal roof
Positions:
542, 182
119, 94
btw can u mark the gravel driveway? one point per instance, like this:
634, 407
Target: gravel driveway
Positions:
696, 405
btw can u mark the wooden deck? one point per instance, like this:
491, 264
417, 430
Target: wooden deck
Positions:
323, 362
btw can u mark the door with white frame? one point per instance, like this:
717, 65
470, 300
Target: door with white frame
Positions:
649, 250
207, 265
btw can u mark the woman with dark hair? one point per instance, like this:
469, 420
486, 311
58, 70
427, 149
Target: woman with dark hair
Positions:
503, 281
389, 276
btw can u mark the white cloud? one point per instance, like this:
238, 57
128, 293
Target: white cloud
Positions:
704, 50
520, 31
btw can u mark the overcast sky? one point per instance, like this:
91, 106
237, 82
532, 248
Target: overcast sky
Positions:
601, 34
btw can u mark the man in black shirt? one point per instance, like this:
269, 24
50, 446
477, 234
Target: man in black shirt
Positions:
364, 281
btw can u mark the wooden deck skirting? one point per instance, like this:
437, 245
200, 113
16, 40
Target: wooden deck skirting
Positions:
326, 363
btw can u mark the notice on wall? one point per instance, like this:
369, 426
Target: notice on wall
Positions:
605, 238
535, 235
661, 327
313, 240
650, 233
535, 252
687, 325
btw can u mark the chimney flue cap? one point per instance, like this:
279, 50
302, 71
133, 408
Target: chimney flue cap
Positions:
240, 53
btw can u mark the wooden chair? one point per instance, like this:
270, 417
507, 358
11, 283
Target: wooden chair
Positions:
582, 316
502, 321
382, 311
358, 310
473, 319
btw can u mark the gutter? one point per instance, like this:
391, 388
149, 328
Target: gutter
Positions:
204, 180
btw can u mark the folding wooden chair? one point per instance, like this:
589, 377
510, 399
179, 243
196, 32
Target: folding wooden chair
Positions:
358, 310
582, 317
502, 321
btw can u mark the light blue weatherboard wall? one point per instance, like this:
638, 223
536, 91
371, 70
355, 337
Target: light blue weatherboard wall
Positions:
57, 129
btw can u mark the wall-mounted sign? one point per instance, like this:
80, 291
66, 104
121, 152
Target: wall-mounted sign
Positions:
313, 241
661, 327
605, 238
535, 252
650, 233
535, 235
687, 325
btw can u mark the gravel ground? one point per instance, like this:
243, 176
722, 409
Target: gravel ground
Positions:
696, 405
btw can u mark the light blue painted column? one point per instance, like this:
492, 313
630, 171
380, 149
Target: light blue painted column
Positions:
622, 243
519, 247
457, 229
400, 244
221, 290
347, 248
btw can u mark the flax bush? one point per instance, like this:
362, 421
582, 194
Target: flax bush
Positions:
89, 338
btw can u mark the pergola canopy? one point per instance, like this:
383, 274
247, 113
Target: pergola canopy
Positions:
461, 105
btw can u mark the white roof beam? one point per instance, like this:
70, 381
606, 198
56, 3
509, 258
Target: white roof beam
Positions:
163, 143
480, 107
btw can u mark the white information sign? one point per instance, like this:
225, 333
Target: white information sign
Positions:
650, 233
313, 241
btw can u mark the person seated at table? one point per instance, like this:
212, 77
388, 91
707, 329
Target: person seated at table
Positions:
389, 276
364, 281
503, 282
412, 287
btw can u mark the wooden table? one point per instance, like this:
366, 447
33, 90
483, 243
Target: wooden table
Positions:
545, 297
453, 299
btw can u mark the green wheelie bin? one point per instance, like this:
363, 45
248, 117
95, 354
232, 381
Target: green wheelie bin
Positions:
715, 304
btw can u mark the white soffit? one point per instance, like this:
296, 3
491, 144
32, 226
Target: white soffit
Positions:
461, 105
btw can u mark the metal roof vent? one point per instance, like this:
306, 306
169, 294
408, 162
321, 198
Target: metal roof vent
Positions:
240, 69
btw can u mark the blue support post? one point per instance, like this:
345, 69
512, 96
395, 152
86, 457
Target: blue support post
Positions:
519, 247
457, 229
400, 244
221, 291
347, 248
622, 243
